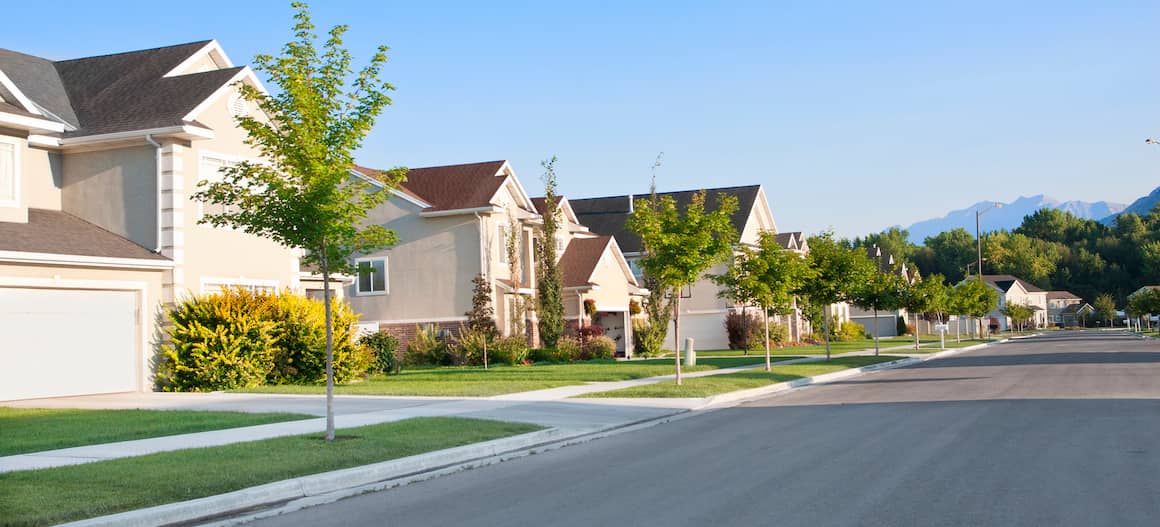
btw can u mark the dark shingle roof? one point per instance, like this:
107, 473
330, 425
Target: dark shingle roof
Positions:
608, 215
1061, 295
1005, 281
581, 258
55, 232
788, 240
116, 93
454, 187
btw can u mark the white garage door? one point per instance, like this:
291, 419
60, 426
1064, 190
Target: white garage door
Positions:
707, 330
56, 342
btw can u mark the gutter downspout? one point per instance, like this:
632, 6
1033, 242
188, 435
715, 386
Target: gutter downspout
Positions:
156, 145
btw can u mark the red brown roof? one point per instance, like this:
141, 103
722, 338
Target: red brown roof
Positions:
453, 187
581, 258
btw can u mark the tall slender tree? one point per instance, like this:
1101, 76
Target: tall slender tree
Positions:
881, 292
301, 193
838, 269
550, 285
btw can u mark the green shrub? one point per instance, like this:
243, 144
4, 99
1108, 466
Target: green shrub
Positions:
472, 343
220, 341
548, 355
647, 340
386, 349
778, 334
570, 348
900, 326
300, 354
848, 331
425, 348
509, 350
601, 347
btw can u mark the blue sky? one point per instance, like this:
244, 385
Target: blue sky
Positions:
854, 115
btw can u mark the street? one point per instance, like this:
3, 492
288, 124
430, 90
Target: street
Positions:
1057, 430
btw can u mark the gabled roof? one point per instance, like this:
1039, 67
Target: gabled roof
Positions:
55, 232
542, 208
789, 240
608, 215
122, 92
453, 187
1005, 281
579, 262
1061, 295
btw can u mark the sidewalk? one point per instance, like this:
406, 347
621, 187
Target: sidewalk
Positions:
553, 408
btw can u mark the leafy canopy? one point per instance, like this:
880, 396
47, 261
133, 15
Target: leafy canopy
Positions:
766, 275
301, 194
679, 245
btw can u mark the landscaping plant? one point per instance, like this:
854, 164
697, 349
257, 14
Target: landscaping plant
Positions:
388, 356
219, 341
550, 282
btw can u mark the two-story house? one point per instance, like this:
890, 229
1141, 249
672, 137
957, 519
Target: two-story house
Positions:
1013, 290
455, 223
98, 159
703, 311
1057, 307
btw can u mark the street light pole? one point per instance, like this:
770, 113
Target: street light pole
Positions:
979, 247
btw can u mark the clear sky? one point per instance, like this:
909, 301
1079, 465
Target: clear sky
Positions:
855, 115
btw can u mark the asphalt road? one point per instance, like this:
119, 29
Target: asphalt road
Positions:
1053, 431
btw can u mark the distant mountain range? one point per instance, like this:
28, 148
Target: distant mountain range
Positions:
1010, 215
1141, 206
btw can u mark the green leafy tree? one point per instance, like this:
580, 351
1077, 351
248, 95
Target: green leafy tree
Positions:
680, 246
1018, 313
550, 284
881, 292
974, 298
947, 253
767, 276
1105, 306
301, 193
837, 272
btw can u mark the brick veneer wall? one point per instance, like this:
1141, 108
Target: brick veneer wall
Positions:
405, 332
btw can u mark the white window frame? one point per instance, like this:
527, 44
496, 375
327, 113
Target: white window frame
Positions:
252, 284
386, 276
16, 173
217, 176
503, 233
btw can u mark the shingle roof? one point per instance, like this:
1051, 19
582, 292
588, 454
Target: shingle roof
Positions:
454, 187
55, 232
1061, 295
581, 258
608, 215
788, 240
119, 92
1005, 281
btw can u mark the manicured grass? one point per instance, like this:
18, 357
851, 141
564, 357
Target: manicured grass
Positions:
498, 380
24, 430
716, 384
51, 496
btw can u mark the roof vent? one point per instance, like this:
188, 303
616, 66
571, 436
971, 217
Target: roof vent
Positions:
631, 208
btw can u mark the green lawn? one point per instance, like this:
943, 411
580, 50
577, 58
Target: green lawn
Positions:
56, 495
24, 430
498, 380
717, 384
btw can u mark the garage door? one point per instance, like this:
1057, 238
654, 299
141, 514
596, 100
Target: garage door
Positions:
707, 330
56, 342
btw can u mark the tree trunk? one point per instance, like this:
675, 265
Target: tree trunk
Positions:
826, 332
916, 332
765, 312
677, 332
329, 346
876, 332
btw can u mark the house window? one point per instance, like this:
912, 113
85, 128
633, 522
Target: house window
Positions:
503, 237
212, 286
372, 276
634, 265
212, 168
559, 245
8, 176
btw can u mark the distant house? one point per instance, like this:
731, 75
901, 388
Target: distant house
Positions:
703, 312
1058, 302
1013, 290
1076, 314
886, 324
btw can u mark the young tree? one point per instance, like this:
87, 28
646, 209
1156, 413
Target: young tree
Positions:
518, 308
766, 276
550, 285
881, 292
976, 299
301, 194
679, 246
1105, 307
837, 272
1018, 313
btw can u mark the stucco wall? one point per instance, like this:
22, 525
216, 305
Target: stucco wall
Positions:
115, 189
42, 179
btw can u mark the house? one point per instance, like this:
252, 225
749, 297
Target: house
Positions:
797, 327
455, 223
594, 268
884, 323
98, 159
1013, 290
1057, 302
1076, 314
703, 312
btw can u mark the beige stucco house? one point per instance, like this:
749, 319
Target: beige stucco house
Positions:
1013, 290
454, 223
98, 159
703, 312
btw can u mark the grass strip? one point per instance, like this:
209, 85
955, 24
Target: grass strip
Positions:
498, 380
56, 495
717, 384
24, 430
